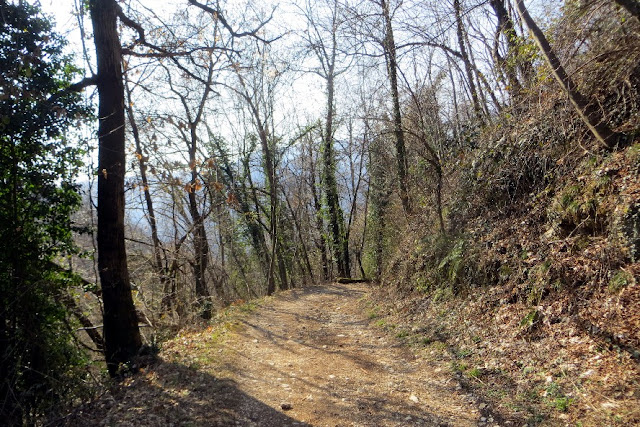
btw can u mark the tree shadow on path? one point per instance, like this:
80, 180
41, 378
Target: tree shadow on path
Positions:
172, 394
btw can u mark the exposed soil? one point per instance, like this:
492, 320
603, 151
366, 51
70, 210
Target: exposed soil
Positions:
310, 356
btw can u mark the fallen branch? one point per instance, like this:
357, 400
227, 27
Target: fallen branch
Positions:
350, 280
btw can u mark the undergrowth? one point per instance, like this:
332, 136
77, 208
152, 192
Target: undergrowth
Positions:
543, 232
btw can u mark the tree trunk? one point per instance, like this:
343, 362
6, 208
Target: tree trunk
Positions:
306, 267
268, 263
379, 193
392, 69
457, 130
631, 6
336, 216
589, 114
439, 207
269, 161
479, 76
322, 243
121, 332
506, 28
253, 226
200, 242
92, 332
477, 108
157, 264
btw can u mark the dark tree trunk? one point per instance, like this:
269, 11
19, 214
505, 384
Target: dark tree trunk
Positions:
282, 270
10, 409
92, 332
389, 46
121, 333
379, 192
201, 260
306, 267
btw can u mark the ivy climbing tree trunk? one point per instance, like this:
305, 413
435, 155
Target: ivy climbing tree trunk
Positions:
336, 216
322, 40
321, 242
390, 54
121, 332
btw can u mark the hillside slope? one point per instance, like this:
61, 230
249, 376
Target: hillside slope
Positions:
533, 279
535, 284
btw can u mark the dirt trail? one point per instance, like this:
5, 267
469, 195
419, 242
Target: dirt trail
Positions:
311, 351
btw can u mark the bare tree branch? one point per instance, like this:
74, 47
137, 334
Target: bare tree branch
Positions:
217, 15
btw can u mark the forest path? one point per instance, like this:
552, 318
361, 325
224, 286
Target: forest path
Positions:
306, 357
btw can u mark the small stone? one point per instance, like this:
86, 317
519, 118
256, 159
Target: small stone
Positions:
482, 405
414, 398
331, 377
587, 373
286, 406
483, 419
